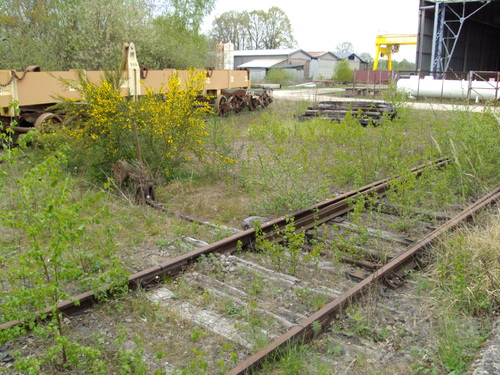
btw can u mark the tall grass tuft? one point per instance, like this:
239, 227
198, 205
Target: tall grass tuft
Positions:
467, 268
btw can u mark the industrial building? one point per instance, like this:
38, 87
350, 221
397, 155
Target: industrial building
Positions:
355, 62
458, 54
458, 36
301, 64
322, 64
296, 61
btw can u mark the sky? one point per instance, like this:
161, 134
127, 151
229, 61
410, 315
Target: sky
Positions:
320, 25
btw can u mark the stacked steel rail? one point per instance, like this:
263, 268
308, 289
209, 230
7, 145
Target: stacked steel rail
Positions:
365, 112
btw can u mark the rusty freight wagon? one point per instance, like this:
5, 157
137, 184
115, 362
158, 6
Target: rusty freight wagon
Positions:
25, 97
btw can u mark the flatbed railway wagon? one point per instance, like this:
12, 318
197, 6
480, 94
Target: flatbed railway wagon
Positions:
26, 97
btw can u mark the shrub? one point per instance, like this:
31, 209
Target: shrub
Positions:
166, 128
281, 76
342, 72
63, 249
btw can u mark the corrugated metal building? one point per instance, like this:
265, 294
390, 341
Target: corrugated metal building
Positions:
355, 62
304, 65
258, 62
459, 36
258, 68
322, 65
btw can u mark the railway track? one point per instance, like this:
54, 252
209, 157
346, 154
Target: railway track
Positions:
291, 287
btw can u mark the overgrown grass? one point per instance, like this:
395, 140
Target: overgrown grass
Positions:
467, 268
290, 164
463, 283
457, 296
296, 359
283, 165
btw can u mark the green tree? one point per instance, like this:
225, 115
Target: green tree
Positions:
365, 56
64, 249
20, 25
403, 65
277, 30
59, 35
171, 44
254, 25
89, 34
254, 30
173, 38
189, 12
281, 76
342, 72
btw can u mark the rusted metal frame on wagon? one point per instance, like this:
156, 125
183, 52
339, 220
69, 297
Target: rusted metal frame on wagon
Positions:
41, 90
307, 329
303, 220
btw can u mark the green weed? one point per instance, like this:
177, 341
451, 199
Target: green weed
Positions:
66, 250
287, 254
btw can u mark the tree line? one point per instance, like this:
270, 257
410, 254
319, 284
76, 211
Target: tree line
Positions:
88, 34
254, 30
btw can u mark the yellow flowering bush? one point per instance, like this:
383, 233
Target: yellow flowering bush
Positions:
168, 126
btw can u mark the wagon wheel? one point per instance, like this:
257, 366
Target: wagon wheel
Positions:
222, 106
266, 100
253, 104
46, 121
237, 103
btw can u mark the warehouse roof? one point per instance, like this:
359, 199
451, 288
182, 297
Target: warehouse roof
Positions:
319, 54
267, 52
261, 63
346, 55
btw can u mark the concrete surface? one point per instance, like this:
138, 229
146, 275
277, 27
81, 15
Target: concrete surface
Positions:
320, 94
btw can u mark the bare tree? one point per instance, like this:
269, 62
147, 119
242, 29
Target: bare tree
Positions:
254, 30
366, 57
344, 47
229, 27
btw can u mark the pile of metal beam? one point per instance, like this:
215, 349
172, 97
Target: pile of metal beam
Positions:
366, 112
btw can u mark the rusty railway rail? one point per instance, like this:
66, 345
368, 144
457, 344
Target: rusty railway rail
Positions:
303, 220
395, 269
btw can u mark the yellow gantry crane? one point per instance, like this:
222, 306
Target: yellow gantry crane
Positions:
389, 43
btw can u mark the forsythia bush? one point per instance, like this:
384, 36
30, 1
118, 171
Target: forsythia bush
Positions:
103, 127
